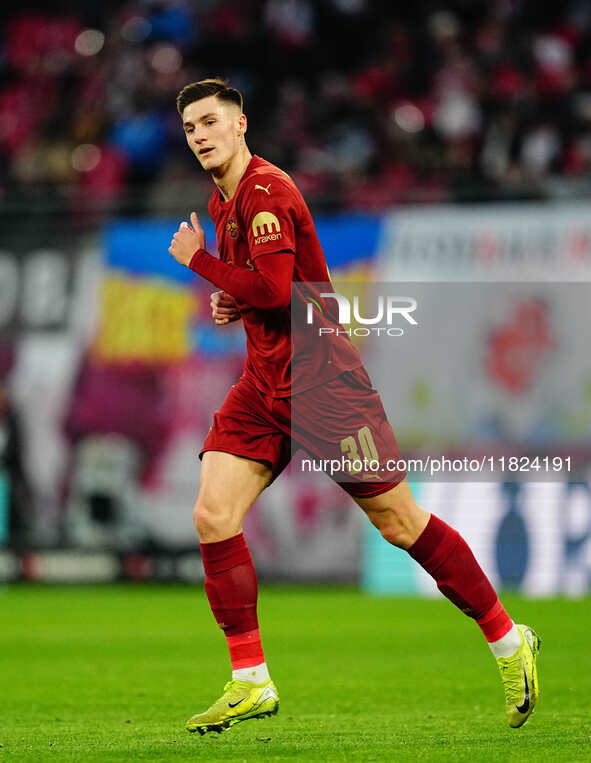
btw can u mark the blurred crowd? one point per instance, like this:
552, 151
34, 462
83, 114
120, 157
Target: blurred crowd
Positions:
369, 104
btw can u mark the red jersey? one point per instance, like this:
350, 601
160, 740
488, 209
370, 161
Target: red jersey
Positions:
268, 215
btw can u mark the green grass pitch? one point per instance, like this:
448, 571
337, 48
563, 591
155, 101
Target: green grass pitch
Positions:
112, 673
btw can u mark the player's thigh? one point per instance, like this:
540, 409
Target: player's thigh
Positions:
228, 486
396, 514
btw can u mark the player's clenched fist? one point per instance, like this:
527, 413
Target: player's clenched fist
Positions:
223, 308
187, 240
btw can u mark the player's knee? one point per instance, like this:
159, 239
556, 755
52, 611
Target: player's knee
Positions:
400, 525
211, 521
397, 534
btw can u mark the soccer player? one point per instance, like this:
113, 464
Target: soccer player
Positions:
267, 243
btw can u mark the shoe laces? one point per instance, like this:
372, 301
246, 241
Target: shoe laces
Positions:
512, 673
221, 702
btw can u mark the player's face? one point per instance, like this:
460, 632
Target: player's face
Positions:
214, 131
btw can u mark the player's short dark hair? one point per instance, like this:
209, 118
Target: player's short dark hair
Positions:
206, 87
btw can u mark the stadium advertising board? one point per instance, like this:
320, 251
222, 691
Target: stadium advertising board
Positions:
499, 242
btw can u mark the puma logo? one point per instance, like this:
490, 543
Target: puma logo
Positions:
263, 188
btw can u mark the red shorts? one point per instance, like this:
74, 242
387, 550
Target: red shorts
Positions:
341, 425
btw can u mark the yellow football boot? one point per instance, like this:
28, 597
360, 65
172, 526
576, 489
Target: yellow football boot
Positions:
240, 701
520, 678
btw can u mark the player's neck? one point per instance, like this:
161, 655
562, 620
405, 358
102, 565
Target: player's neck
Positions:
229, 175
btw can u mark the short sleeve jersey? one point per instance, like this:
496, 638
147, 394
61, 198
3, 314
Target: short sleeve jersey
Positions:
268, 216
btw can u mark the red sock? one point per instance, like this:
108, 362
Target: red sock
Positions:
231, 587
446, 556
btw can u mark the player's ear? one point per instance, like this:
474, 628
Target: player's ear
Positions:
242, 124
